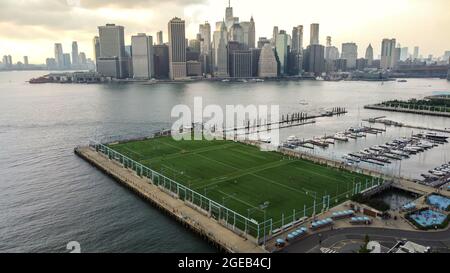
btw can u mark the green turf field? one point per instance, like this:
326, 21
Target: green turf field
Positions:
243, 178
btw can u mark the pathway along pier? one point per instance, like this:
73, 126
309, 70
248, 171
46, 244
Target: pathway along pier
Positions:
215, 233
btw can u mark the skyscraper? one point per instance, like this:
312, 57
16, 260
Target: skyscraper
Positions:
142, 56
66, 61
350, 53
241, 64
387, 53
416, 53
83, 59
229, 19
282, 51
159, 38
74, 53
262, 41
161, 61
268, 66
177, 49
297, 39
314, 59
220, 56
331, 52
314, 34
249, 35
96, 44
205, 47
25, 60
59, 56
404, 55
369, 55
113, 61
274, 35
205, 35
236, 33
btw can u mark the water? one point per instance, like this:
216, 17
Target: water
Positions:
395, 198
49, 197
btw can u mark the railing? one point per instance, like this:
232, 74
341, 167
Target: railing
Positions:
232, 220
241, 225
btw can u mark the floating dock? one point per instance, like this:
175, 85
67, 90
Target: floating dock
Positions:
203, 225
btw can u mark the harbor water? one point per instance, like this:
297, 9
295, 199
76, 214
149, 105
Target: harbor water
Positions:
50, 197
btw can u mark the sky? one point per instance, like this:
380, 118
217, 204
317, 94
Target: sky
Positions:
31, 27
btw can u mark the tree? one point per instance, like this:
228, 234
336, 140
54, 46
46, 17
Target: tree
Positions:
363, 248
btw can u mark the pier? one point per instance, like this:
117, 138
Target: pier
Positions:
382, 120
287, 120
203, 225
407, 110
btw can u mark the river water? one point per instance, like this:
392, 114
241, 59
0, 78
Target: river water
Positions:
49, 197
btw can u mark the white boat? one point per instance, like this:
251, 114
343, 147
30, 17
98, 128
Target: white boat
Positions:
340, 137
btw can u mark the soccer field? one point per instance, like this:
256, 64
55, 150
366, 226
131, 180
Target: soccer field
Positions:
251, 182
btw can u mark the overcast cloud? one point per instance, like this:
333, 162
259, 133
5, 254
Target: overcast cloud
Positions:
31, 27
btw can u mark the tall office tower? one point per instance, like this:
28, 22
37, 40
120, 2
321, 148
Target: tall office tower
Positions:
256, 53
74, 53
205, 47
66, 61
177, 49
59, 56
446, 56
396, 57
142, 56
241, 64
361, 64
195, 44
314, 61
249, 34
267, 66
236, 33
331, 52
369, 55
387, 53
350, 53
161, 61
220, 56
274, 35
404, 54
113, 60
51, 63
5, 60
229, 19
159, 38
25, 60
328, 41
96, 44
205, 36
314, 34
83, 59
282, 51
416, 53
297, 39
262, 41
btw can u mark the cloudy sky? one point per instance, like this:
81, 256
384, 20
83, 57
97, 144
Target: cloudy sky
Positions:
31, 27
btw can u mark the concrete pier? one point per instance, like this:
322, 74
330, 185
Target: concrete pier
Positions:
208, 228
406, 110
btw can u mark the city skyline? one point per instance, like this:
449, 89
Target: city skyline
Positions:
363, 28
